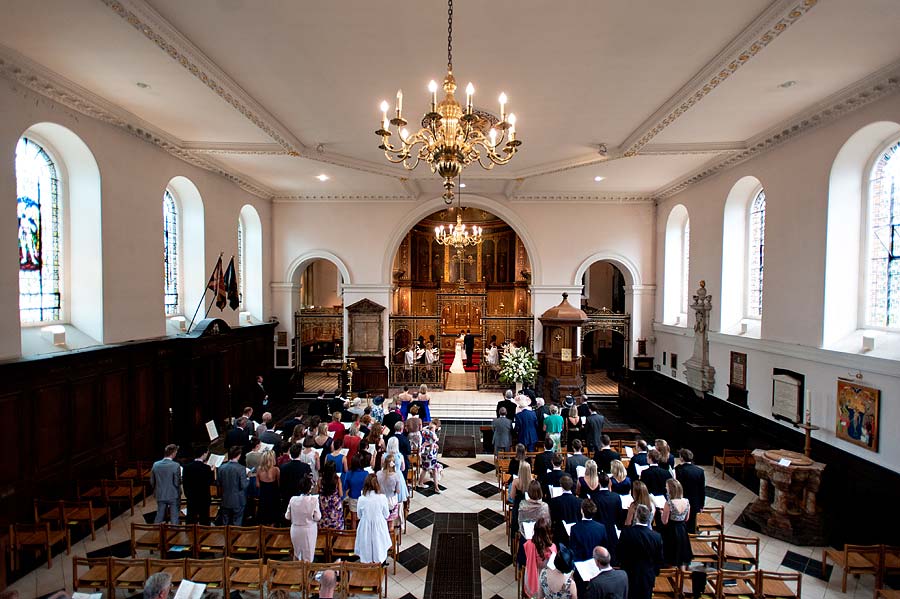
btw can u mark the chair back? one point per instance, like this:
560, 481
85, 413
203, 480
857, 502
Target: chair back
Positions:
146, 536
668, 583
776, 584
243, 541
742, 551
210, 540
244, 575
288, 576
363, 579
128, 573
276, 542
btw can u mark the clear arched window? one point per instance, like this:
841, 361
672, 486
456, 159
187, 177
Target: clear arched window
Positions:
756, 255
685, 264
883, 263
170, 253
37, 208
240, 261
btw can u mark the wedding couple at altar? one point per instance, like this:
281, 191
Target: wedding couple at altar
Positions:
465, 348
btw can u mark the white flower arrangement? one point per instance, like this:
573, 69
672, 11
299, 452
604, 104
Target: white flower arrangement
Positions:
519, 365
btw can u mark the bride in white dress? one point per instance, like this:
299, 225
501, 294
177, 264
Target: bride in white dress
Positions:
458, 357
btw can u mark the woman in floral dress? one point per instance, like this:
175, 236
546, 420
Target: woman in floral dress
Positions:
330, 498
428, 454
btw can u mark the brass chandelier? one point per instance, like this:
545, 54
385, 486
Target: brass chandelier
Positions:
451, 137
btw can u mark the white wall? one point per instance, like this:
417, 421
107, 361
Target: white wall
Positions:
796, 180
134, 175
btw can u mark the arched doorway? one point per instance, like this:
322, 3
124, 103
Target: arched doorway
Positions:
604, 339
441, 291
318, 323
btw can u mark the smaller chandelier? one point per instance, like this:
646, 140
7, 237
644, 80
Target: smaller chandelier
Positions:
451, 137
458, 236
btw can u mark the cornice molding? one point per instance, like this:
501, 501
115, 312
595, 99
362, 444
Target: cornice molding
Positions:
692, 149
543, 198
346, 198
884, 82
41, 80
773, 21
225, 148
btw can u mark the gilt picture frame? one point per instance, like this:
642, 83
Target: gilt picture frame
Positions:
858, 410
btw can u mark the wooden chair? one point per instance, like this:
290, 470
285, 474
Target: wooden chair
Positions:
146, 536
711, 519
243, 541
710, 591
394, 550
890, 560
314, 569
734, 583
124, 492
139, 472
49, 511
342, 544
210, 572
85, 512
740, 551
668, 583
323, 545
130, 574
173, 567
244, 575
774, 585
887, 594
276, 543
96, 578
36, 536
364, 579
733, 459
854, 559
180, 539
90, 490
706, 549
210, 540
288, 576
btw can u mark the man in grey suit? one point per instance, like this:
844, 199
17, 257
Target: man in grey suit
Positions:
232, 480
502, 431
165, 477
609, 583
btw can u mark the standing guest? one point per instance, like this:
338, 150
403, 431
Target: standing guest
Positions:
424, 403
299, 433
638, 459
336, 403
414, 428
641, 555
255, 454
589, 484
282, 456
238, 435
575, 459
309, 457
358, 405
392, 416
398, 445
557, 582
608, 583
319, 406
165, 478
268, 477
336, 427
260, 395
519, 487
693, 481
331, 503
354, 482
618, 480
372, 536
556, 474
541, 411
676, 544
573, 426
508, 403
428, 455
655, 476
594, 425
520, 459
553, 426
582, 407
587, 533
376, 438
365, 423
322, 441
197, 477
304, 514
269, 436
338, 457
233, 482
377, 412
537, 551
502, 428
564, 509
606, 454
351, 441
666, 459
609, 512
641, 497
405, 396
543, 464
532, 508
157, 586
526, 428
291, 474
390, 484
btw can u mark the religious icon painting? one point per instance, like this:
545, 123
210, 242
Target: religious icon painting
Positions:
857, 414
29, 213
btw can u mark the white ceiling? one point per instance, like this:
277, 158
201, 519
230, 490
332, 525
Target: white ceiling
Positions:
241, 83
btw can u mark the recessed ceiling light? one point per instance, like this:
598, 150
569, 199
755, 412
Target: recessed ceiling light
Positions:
461, 185
598, 178
323, 177
142, 85
787, 84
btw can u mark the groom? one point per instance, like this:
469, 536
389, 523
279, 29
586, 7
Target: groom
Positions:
469, 344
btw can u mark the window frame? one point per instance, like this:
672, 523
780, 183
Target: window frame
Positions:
179, 255
685, 267
748, 240
865, 234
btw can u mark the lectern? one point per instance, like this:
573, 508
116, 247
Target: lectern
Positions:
559, 362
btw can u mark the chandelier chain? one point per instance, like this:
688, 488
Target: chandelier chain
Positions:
450, 36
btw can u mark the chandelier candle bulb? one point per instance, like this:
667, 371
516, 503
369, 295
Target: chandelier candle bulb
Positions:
470, 91
512, 127
502, 107
432, 87
399, 103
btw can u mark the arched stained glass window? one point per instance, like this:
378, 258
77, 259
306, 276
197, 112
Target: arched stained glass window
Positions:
37, 208
756, 255
883, 268
240, 261
685, 266
170, 254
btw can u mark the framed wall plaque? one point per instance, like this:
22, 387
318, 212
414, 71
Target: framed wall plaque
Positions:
565, 354
738, 377
787, 395
366, 328
857, 414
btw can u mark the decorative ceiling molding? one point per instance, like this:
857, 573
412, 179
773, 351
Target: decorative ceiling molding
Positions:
234, 148
567, 164
773, 21
586, 198
43, 81
881, 83
345, 198
144, 19
692, 149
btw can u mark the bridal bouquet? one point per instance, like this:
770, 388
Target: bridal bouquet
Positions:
518, 366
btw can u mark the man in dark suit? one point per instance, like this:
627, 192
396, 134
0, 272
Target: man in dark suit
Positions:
565, 508
583, 410
594, 428
640, 554
319, 406
608, 512
655, 476
574, 460
260, 395
469, 344
542, 462
237, 437
638, 459
541, 411
609, 583
269, 436
605, 455
693, 481
233, 482
196, 479
402, 441
287, 427
292, 473
508, 403
391, 417
526, 429
587, 533
556, 474
336, 404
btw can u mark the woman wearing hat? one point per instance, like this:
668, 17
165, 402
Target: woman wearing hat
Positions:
556, 582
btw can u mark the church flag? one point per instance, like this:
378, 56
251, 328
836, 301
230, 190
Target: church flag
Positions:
231, 286
217, 285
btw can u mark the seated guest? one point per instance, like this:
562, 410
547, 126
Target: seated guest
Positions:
587, 533
502, 429
641, 554
327, 585
575, 459
196, 478
655, 476
618, 480
666, 459
639, 459
609, 512
331, 499
537, 551
606, 454
336, 427
608, 583
158, 586
255, 453
564, 509
556, 579
693, 481
641, 497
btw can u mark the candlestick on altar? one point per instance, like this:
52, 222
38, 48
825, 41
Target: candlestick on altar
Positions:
807, 447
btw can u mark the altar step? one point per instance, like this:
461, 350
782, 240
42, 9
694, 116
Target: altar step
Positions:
467, 381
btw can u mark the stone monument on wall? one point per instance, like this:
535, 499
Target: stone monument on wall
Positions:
700, 375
